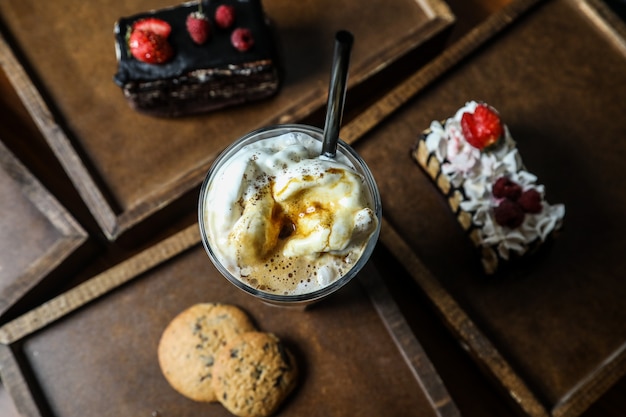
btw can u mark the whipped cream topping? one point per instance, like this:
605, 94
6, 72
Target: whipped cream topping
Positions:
286, 220
475, 172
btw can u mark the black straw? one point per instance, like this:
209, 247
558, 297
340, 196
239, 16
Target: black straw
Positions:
337, 92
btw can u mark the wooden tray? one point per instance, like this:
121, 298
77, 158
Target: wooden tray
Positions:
92, 350
551, 333
126, 166
33, 218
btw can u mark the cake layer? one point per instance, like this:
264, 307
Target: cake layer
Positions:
203, 90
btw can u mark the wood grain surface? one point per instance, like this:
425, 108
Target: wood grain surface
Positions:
126, 165
553, 352
97, 342
534, 338
31, 217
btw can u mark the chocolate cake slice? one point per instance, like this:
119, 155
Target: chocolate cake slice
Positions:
199, 78
475, 163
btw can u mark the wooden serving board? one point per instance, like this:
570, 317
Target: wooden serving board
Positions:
93, 350
31, 218
126, 166
552, 331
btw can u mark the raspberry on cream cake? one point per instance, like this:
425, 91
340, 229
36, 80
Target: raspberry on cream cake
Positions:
196, 57
476, 164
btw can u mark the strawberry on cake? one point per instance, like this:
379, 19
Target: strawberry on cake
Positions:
476, 164
196, 57
147, 41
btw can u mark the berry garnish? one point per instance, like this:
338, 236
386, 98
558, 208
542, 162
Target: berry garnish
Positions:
530, 201
481, 128
505, 188
509, 213
148, 43
224, 16
198, 26
242, 39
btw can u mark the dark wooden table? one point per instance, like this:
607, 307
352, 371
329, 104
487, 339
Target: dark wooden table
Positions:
471, 389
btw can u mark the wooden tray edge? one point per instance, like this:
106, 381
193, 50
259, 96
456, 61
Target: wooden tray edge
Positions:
596, 384
73, 236
16, 384
14, 331
461, 325
114, 223
410, 348
591, 388
95, 287
436, 68
56, 139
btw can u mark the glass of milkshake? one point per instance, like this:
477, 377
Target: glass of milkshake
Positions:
284, 223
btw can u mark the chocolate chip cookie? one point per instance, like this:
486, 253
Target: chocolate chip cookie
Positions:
187, 348
253, 374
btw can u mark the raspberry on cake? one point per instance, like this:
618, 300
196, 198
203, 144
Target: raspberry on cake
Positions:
224, 16
242, 39
172, 63
476, 164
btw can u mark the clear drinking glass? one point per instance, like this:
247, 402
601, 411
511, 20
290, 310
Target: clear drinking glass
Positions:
269, 132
